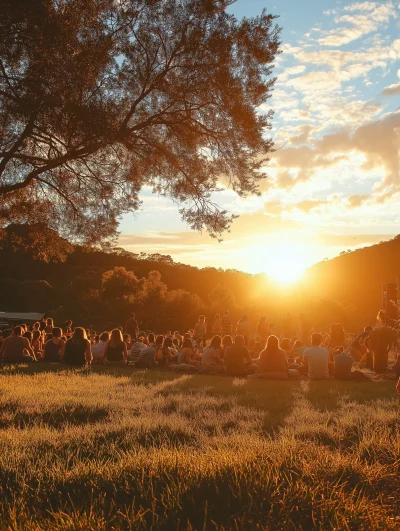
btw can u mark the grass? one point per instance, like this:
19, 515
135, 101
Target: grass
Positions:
97, 450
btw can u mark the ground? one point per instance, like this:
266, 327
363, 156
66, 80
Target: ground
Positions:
93, 450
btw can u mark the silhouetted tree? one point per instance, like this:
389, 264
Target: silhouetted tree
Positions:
118, 283
99, 98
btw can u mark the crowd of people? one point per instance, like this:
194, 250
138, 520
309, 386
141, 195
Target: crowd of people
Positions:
224, 348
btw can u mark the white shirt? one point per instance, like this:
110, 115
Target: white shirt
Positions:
317, 359
98, 350
209, 357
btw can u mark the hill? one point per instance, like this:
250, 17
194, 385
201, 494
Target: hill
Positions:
101, 287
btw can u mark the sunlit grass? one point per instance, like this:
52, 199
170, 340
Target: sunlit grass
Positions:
90, 450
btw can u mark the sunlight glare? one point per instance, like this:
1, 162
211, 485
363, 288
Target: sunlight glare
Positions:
284, 261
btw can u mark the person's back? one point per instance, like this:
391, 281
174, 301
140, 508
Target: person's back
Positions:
13, 348
273, 361
343, 366
317, 359
147, 356
74, 353
226, 325
136, 349
236, 357
243, 328
131, 326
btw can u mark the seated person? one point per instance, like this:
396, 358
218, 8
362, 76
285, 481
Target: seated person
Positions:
187, 353
77, 350
137, 347
163, 353
115, 351
147, 355
273, 362
238, 361
16, 348
54, 348
343, 367
98, 348
317, 359
211, 358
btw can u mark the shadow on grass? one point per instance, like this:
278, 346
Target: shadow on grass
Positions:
67, 415
327, 395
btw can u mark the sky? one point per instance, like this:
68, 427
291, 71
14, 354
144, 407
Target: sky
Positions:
334, 182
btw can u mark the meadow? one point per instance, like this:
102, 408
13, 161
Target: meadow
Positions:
96, 450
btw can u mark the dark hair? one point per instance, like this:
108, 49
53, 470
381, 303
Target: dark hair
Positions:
227, 341
167, 342
56, 332
187, 343
272, 344
79, 335
28, 336
36, 334
17, 330
132, 315
159, 340
316, 339
150, 338
239, 340
105, 336
216, 342
126, 337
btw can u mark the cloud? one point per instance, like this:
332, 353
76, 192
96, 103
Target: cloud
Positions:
361, 6
359, 24
392, 90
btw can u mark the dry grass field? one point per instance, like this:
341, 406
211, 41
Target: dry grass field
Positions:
93, 450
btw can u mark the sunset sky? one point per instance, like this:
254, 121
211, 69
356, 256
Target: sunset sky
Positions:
335, 183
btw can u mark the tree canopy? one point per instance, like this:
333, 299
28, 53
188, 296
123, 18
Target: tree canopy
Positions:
99, 98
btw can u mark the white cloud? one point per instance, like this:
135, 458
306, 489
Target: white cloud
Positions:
361, 6
357, 25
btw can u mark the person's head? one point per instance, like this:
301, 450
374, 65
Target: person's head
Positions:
36, 334
263, 319
18, 331
150, 338
28, 336
175, 342
227, 341
68, 324
167, 342
132, 315
368, 329
202, 318
297, 344
187, 343
104, 337
244, 318
226, 313
116, 337
79, 335
217, 316
272, 344
49, 322
56, 332
36, 326
159, 340
216, 342
142, 333
126, 337
316, 339
97, 338
239, 341
177, 334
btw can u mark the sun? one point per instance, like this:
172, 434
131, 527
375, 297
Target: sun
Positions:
284, 260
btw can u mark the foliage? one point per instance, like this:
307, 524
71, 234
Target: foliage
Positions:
94, 451
99, 98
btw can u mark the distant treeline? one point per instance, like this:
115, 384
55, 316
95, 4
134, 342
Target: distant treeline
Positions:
101, 287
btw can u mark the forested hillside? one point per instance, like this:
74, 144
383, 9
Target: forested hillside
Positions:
101, 287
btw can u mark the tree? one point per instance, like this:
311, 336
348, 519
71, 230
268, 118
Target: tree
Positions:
118, 284
221, 298
101, 97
